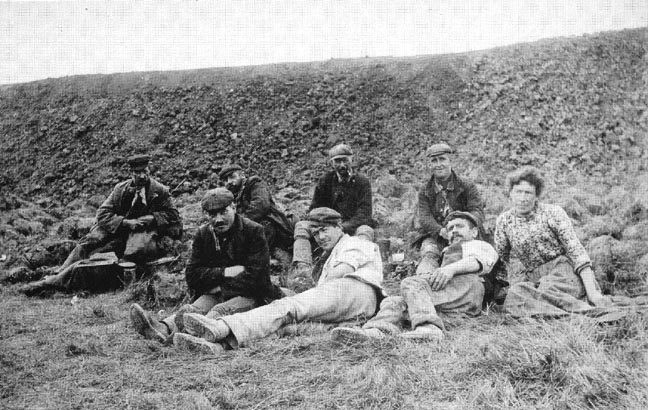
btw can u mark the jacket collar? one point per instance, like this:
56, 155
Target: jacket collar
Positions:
341, 180
453, 183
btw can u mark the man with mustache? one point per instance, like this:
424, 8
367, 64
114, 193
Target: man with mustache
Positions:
349, 286
228, 271
456, 287
137, 205
254, 201
345, 191
444, 192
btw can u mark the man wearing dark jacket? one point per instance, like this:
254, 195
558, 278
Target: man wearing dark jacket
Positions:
254, 201
445, 192
344, 191
140, 204
228, 271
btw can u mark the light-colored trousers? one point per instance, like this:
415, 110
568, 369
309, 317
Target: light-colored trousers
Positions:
418, 303
335, 301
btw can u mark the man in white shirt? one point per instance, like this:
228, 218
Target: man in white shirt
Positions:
455, 287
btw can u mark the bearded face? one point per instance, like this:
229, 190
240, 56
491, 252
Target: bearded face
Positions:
342, 165
234, 181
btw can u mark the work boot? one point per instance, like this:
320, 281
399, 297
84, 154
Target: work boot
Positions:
148, 327
355, 335
195, 344
179, 316
427, 332
212, 330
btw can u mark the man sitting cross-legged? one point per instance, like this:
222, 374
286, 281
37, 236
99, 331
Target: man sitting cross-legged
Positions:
228, 271
349, 286
455, 287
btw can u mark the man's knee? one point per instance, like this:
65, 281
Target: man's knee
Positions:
429, 247
394, 304
302, 230
95, 238
413, 283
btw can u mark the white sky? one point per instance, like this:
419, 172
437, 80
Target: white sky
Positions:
58, 38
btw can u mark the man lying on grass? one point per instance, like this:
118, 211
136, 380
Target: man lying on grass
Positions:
455, 288
228, 271
349, 286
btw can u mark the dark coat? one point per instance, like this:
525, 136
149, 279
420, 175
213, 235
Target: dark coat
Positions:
244, 244
462, 196
158, 203
351, 199
255, 202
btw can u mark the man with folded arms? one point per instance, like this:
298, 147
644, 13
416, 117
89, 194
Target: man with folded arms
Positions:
228, 271
349, 286
456, 287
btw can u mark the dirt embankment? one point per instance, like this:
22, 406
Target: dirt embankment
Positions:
576, 107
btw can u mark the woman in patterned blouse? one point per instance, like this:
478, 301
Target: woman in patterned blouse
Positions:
558, 277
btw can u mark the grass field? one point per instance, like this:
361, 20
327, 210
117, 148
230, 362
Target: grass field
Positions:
59, 354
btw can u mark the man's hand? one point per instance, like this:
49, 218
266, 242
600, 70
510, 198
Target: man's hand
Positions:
146, 220
592, 291
444, 234
131, 224
233, 271
440, 278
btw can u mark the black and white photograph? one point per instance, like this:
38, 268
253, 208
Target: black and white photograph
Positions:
324, 204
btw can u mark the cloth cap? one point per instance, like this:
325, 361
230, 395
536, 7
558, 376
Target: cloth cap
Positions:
340, 150
229, 170
323, 217
460, 214
439, 149
217, 199
139, 161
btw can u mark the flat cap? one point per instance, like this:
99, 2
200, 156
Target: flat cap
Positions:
323, 217
439, 149
216, 199
228, 170
138, 161
340, 150
463, 215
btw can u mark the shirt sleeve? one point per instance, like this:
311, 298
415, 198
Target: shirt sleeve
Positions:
199, 276
426, 217
322, 195
474, 202
260, 201
364, 211
483, 252
563, 228
502, 243
107, 217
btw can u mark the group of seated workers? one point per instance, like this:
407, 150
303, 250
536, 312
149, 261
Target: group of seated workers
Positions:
228, 272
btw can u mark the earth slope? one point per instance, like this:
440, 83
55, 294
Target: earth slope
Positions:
575, 107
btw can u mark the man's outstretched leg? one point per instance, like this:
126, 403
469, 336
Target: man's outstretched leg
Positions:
335, 301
